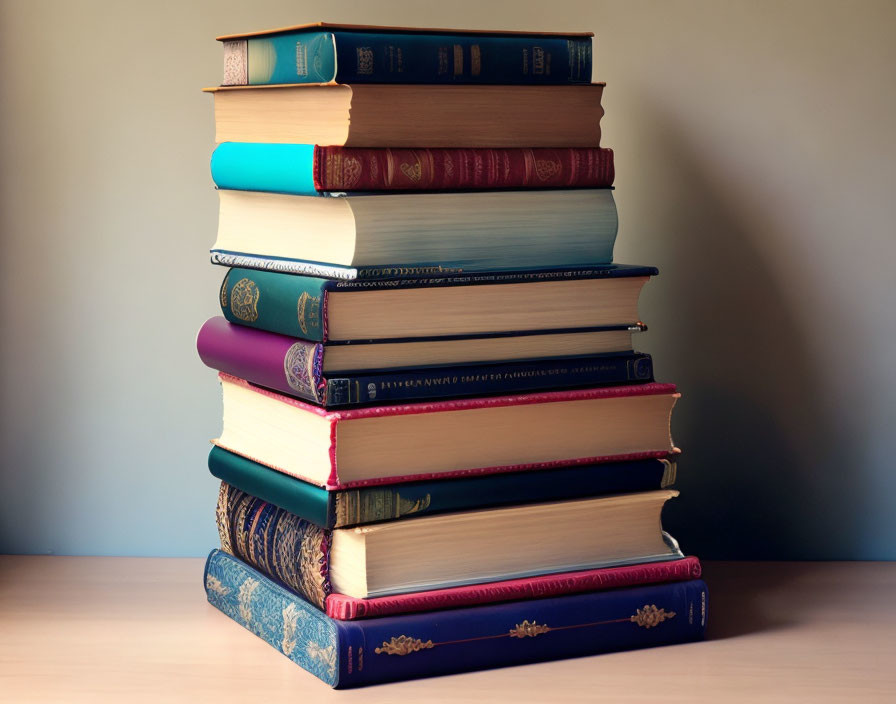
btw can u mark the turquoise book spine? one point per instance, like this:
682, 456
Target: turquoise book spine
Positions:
300, 498
406, 57
277, 168
291, 305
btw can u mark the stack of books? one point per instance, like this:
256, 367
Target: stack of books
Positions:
440, 451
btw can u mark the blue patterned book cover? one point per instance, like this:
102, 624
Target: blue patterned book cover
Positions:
392, 648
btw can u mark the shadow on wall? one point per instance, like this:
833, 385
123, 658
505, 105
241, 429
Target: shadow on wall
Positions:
763, 473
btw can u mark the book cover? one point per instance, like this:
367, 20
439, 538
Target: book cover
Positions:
391, 648
352, 507
310, 170
296, 305
319, 54
295, 367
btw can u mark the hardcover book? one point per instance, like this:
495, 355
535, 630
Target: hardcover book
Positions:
332, 53
471, 231
340, 508
426, 308
410, 115
446, 550
417, 441
310, 170
353, 653
273, 361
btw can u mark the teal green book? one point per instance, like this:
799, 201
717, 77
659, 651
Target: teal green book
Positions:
352, 507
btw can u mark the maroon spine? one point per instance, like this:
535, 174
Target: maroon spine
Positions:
359, 169
346, 608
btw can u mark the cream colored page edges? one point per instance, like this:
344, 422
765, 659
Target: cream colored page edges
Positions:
491, 544
369, 448
292, 440
306, 115
384, 355
458, 227
297, 227
366, 315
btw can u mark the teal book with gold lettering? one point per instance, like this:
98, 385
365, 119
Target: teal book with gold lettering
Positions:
360, 506
336, 53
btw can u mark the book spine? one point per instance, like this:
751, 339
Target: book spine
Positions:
367, 57
300, 498
484, 380
277, 168
359, 169
380, 503
289, 624
289, 549
370, 57
346, 608
266, 300
221, 257
393, 648
277, 362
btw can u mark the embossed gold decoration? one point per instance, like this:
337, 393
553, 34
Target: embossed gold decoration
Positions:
405, 506
308, 305
351, 171
649, 616
403, 645
412, 171
528, 629
244, 300
475, 60
547, 168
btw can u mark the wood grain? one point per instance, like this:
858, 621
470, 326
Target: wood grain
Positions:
139, 630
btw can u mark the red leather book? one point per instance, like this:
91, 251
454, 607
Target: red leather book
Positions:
360, 169
346, 608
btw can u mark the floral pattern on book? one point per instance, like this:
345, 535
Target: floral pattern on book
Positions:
294, 627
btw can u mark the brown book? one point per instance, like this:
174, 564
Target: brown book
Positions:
375, 115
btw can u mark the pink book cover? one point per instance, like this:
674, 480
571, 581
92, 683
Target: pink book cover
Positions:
346, 608
337, 416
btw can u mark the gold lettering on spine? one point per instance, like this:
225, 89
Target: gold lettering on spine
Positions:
475, 60
308, 306
458, 60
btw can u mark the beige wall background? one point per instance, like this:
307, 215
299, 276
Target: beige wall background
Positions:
755, 158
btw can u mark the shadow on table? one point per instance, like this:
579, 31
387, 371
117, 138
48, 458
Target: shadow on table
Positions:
745, 598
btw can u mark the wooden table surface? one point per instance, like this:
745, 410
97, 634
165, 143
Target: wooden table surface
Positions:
87, 629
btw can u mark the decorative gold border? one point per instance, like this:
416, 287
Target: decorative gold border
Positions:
648, 616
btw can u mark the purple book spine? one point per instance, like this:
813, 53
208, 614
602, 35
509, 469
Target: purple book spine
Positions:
275, 361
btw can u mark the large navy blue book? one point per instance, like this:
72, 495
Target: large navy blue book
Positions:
391, 648
371, 504
328, 53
